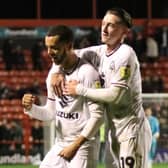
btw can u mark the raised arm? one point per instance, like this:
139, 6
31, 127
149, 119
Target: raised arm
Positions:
41, 112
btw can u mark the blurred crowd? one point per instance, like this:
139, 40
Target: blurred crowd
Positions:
149, 42
13, 134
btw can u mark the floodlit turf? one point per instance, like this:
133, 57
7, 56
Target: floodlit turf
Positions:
18, 166
100, 166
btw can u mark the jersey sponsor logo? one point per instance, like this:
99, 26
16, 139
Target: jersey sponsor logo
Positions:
125, 72
69, 116
97, 84
112, 65
65, 100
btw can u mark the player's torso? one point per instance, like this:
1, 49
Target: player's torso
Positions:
116, 71
72, 112
107, 69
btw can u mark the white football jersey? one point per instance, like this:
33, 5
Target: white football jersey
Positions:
121, 68
73, 116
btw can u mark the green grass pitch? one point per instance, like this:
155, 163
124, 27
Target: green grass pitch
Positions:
100, 166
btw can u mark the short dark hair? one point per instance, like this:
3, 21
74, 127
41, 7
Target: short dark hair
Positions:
64, 32
122, 14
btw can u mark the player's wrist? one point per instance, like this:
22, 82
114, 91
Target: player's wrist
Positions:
80, 90
79, 141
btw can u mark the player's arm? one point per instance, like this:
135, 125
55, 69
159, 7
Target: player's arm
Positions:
91, 79
120, 83
69, 152
44, 112
157, 129
106, 95
118, 89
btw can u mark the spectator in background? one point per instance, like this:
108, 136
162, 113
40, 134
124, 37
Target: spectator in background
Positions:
37, 138
11, 136
18, 58
152, 48
85, 37
17, 137
2, 136
130, 39
157, 84
36, 55
8, 147
33, 88
154, 124
8, 53
149, 29
84, 42
152, 84
163, 40
140, 46
147, 84
6, 92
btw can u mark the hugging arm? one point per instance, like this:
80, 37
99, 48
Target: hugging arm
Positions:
106, 95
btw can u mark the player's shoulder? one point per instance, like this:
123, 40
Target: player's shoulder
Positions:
87, 69
155, 118
127, 49
97, 49
86, 66
126, 52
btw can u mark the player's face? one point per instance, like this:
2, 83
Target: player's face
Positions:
148, 112
112, 31
56, 50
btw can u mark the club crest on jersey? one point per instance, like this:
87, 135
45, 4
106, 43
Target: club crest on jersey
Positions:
112, 65
125, 72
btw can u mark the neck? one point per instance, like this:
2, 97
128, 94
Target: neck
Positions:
112, 48
70, 64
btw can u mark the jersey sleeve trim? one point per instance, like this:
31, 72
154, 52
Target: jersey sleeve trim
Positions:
121, 85
51, 99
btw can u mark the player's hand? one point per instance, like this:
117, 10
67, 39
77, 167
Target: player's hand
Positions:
58, 82
69, 152
70, 88
28, 100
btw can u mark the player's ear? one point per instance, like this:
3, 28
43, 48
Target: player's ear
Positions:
125, 33
69, 46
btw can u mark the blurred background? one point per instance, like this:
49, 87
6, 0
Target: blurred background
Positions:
24, 65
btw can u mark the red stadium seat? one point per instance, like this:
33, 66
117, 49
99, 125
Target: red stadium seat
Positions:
5, 102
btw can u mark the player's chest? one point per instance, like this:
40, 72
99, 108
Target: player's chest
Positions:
107, 68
